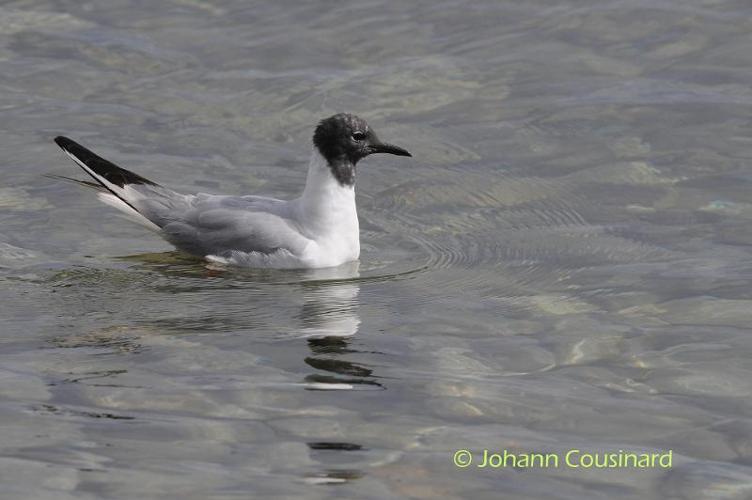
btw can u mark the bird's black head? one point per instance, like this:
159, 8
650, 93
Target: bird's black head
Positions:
345, 139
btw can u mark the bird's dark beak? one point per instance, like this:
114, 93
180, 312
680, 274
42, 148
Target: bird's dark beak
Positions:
383, 147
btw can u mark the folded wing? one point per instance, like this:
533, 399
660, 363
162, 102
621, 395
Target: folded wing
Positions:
198, 224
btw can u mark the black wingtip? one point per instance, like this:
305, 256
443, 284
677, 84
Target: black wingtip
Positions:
99, 166
62, 141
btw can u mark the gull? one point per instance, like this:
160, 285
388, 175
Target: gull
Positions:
319, 229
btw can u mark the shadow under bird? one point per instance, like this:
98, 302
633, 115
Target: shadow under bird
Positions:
318, 229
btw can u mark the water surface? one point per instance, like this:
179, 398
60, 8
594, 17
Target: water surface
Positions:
564, 264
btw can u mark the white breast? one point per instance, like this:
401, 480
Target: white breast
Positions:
327, 214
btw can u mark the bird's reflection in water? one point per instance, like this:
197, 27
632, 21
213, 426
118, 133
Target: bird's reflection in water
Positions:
329, 319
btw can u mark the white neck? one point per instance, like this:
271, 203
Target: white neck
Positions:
327, 205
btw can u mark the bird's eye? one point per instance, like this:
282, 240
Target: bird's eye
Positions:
358, 136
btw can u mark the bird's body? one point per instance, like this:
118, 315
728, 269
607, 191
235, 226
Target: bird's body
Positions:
318, 229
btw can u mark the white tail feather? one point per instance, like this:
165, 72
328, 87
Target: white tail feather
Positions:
127, 210
116, 201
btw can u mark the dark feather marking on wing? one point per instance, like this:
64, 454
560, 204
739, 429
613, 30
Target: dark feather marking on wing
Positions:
108, 170
111, 172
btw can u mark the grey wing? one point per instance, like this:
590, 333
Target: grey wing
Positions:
219, 225
200, 224
159, 205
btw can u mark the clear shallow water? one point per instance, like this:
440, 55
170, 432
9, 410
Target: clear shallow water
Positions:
565, 264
